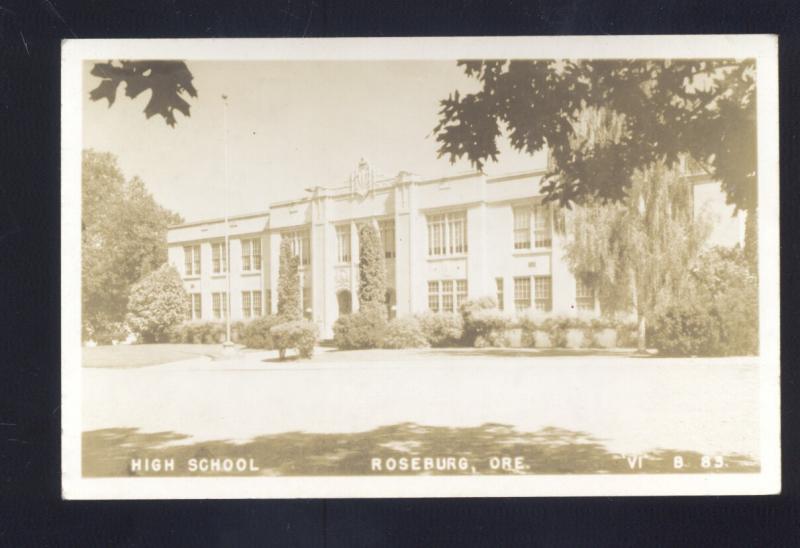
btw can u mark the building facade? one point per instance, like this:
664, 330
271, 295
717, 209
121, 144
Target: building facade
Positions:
445, 240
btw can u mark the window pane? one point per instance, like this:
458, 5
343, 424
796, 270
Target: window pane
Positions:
343, 243
542, 228
522, 293
217, 305
256, 303
499, 283
461, 292
246, 255
196, 260
246, 304
543, 294
522, 228
198, 311
255, 249
584, 294
187, 261
433, 296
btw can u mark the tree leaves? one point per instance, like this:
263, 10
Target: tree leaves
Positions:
168, 82
671, 108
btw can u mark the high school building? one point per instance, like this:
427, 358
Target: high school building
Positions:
445, 240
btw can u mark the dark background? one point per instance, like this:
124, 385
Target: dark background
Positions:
31, 512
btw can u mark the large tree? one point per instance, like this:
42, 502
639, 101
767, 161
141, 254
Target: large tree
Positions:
156, 303
123, 238
638, 254
665, 109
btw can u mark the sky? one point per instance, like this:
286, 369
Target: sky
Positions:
291, 125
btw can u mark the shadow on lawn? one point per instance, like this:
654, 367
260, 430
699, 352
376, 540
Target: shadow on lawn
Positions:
108, 452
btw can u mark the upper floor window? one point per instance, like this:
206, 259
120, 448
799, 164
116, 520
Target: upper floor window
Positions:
300, 243
219, 257
191, 260
532, 225
251, 255
447, 234
343, 244
386, 229
584, 294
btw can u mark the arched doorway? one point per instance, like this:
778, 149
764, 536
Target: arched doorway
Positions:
345, 300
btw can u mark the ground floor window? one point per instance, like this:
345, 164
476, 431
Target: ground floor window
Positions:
522, 293
584, 294
543, 293
446, 295
195, 310
499, 283
219, 303
251, 304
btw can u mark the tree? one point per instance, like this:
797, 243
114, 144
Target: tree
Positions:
638, 254
168, 82
289, 308
123, 238
156, 303
664, 109
371, 269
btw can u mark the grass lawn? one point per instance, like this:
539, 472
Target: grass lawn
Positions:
142, 355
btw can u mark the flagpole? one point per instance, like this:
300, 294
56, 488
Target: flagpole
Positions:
228, 341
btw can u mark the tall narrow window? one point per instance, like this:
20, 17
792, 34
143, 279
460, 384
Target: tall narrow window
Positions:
247, 263
543, 293
522, 293
461, 292
584, 294
197, 308
219, 258
387, 237
191, 260
247, 305
447, 234
257, 304
542, 229
499, 283
251, 255
522, 228
433, 296
343, 243
447, 295
219, 303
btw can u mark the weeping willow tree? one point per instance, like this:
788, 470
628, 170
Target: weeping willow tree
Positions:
636, 253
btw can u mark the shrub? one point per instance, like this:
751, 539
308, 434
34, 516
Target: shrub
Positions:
468, 311
442, 328
487, 327
256, 333
371, 267
289, 307
404, 333
197, 333
686, 330
156, 303
362, 329
299, 334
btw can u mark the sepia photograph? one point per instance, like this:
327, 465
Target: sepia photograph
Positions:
420, 267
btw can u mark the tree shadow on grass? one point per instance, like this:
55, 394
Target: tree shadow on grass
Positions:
108, 452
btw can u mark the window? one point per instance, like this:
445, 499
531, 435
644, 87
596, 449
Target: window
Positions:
461, 292
220, 305
543, 293
584, 294
542, 232
219, 257
191, 260
301, 245
251, 255
251, 304
433, 296
446, 295
194, 310
532, 224
447, 234
499, 283
387, 237
343, 243
522, 293
522, 228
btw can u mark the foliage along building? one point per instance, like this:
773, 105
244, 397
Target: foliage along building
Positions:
445, 240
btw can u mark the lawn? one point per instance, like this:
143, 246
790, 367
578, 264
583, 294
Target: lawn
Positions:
143, 355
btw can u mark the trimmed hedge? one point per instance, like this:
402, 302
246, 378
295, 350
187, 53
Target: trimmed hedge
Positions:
404, 333
198, 333
362, 329
256, 333
442, 328
301, 335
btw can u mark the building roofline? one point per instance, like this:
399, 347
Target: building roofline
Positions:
220, 219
